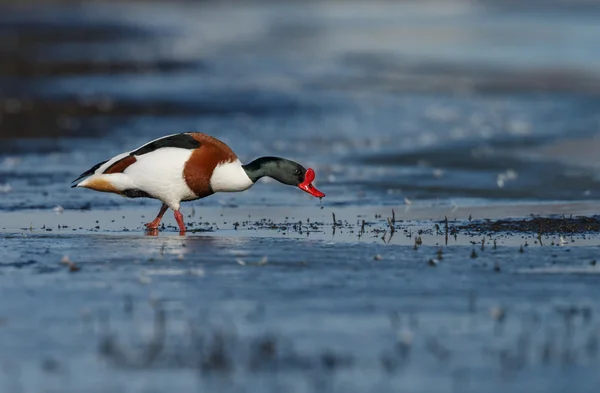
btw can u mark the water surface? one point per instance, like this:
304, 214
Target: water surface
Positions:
434, 109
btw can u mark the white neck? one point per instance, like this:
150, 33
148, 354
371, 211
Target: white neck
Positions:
230, 177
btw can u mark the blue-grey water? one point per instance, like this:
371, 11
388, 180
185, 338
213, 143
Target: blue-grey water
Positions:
439, 108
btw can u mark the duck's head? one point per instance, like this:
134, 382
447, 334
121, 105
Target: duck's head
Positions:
285, 171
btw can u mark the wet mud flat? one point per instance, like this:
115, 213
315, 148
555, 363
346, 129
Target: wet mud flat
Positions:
264, 302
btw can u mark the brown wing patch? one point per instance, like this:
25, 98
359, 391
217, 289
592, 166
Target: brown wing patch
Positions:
225, 151
121, 165
199, 168
100, 184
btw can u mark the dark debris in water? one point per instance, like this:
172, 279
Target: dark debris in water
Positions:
217, 351
214, 351
536, 225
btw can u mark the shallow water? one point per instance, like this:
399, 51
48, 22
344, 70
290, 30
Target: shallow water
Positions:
437, 109
267, 306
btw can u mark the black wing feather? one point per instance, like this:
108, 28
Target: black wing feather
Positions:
182, 141
89, 171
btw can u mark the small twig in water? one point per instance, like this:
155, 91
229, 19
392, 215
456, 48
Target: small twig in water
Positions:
391, 224
446, 229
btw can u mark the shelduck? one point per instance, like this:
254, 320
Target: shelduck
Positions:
185, 167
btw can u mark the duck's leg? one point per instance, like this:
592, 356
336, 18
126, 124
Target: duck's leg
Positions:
154, 224
179, 219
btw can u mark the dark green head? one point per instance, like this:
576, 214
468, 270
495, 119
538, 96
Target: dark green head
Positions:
285, 171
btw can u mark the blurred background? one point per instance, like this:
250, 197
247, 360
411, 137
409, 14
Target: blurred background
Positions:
452, 106
450, 102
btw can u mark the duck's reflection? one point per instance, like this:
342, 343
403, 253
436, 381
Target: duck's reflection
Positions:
172, 243
152, 232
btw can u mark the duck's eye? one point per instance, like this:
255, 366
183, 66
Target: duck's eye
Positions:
297, 171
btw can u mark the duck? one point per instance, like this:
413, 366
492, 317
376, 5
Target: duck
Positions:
185, 167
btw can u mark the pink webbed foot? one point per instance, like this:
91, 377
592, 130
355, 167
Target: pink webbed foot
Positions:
156, 222
153, 224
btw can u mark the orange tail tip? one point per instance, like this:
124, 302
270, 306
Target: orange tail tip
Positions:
98, 184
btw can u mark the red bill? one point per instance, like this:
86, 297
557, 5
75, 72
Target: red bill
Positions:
307, 186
